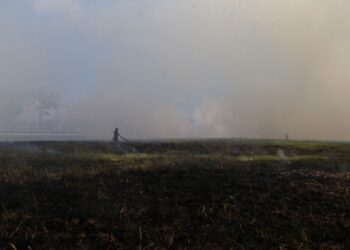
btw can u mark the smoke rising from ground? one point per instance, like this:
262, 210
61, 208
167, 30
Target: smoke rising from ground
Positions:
201, 68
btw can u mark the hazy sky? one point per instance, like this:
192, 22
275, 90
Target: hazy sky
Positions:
176, 68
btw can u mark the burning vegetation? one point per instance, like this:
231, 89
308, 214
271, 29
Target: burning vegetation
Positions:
175, 195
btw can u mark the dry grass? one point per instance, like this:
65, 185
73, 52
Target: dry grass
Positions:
183, 195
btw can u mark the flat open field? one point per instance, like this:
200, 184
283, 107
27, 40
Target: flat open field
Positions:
215, 194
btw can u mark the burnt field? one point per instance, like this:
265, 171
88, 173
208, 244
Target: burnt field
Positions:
216, 194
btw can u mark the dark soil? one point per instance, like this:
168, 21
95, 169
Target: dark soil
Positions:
175, 199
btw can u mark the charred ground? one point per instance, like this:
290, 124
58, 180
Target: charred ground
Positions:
215, 194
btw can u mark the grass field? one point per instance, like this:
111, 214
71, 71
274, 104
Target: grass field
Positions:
214, 194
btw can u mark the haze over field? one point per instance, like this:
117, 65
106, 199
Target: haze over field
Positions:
184, 68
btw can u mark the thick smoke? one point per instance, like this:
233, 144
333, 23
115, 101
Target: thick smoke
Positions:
201, 68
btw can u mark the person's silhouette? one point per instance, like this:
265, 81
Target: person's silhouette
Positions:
116, 135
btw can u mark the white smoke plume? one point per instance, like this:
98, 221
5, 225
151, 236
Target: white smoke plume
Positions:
200, 68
